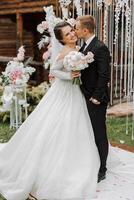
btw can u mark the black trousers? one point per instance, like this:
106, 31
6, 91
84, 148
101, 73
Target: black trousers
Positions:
97, 115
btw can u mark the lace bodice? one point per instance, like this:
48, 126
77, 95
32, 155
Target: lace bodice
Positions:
57, 70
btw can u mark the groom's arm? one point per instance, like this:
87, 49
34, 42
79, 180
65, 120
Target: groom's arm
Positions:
102, 59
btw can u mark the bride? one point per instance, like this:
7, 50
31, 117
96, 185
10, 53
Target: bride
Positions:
53, 154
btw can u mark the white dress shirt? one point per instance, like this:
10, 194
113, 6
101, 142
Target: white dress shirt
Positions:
88, 41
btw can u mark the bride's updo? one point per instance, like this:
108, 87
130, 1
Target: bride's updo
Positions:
58, 31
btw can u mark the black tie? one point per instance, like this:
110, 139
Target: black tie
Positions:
83, 46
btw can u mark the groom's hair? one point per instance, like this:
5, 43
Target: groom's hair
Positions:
87, 21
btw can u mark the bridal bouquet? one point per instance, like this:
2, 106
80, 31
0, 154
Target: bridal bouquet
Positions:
16, 73
76, 61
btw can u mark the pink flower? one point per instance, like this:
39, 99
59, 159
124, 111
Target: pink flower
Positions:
15, 75
42, 27
45, 25
46, 55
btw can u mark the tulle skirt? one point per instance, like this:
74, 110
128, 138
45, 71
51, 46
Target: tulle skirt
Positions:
53, 154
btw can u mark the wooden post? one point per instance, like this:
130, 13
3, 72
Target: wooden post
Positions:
19, 26
56, 8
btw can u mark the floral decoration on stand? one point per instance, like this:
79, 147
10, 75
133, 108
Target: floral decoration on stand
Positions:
76, 61
16, 73
14, 80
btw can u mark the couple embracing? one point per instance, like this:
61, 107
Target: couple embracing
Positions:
60, 151
95, 78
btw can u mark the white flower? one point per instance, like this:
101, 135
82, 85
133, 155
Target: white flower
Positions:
19, 81
46, 65
64, 3
42, 27
72, 21
89, 57
122, 141
20, 57
21, 54
21, 49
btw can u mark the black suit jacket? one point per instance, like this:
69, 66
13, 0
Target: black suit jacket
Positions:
95, 78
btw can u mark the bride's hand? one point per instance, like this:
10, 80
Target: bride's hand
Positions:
75, 74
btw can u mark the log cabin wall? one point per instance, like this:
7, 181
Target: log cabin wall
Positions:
18, 22
7, 37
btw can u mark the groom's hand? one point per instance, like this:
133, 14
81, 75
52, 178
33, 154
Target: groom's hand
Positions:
94, 101
75, 74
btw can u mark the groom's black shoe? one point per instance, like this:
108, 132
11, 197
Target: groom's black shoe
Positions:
101, 176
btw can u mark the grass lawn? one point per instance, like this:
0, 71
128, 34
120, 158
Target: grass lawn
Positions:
1, 198
116, 128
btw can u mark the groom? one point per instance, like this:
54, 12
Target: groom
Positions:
94, 86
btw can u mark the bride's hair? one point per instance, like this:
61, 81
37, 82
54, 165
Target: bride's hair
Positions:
58, 31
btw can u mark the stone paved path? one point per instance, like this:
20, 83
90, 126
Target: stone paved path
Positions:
120, 110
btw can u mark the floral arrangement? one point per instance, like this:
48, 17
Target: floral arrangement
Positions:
64, 3
78, 6
34, 95
76, 61
71, 21
42, 28
16, 73
46, 29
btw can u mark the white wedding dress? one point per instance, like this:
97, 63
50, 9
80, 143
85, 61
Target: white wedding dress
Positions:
53, 154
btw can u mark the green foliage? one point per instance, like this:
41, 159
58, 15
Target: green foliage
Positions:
117, 127
2, 198
5, 132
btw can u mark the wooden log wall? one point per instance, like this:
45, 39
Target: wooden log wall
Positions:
8, 37
24, 6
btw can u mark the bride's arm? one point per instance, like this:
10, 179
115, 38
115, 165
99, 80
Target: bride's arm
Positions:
56, 70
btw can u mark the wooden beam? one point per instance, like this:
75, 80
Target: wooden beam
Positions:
26, 10
19, 22
28, 7
10, 1
7, 59
28, 4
